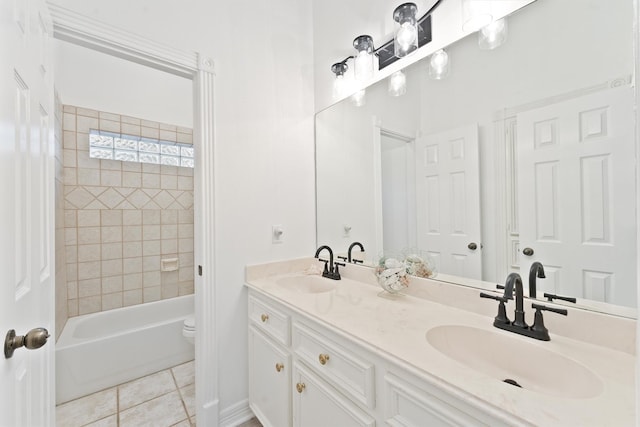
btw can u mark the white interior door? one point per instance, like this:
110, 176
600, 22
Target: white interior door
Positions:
576, 174
26, 211
448, 200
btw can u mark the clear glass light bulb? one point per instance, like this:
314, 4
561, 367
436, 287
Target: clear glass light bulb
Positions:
397, 84
339, 87
358, 98
439, 64
493, 35
363, 65
407, 35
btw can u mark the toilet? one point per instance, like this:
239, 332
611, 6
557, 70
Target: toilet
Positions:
189, 329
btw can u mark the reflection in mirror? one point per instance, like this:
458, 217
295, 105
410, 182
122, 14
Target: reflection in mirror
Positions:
522, 153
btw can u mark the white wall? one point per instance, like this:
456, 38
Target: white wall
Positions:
101, 82
263, 57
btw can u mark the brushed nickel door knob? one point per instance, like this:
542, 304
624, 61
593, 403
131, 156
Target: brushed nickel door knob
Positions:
34, 339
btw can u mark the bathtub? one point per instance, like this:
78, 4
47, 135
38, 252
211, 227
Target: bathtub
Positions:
101, 350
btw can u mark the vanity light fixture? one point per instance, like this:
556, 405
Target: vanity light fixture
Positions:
397, 83
339, 84
406, 34
476, 14
439, 65
493, 35
363, 61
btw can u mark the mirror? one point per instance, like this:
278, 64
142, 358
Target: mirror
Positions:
522, 153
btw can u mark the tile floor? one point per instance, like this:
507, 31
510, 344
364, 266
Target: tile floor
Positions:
163, 399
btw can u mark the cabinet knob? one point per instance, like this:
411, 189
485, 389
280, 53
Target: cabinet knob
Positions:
300, 387
264, 317
323, 358
279, 367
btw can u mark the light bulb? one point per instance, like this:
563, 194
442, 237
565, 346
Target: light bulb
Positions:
363, 66
407, 35
439, 64
476, 14
493, 35
339, 87
397, 84
358, 98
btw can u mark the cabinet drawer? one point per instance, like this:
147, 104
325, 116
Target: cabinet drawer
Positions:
348, 372
409, 403
270, 320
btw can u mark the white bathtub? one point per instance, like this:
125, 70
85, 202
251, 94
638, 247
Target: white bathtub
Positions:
101, 350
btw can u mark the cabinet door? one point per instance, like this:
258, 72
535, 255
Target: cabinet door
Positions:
316, 403
269, 380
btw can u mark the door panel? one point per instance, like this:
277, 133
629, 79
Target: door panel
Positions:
576, 174
448, 200
26, 214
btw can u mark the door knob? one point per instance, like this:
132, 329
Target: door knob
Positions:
527, 251
472, 246
35, 338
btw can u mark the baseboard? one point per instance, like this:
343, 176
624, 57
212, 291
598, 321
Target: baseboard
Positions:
236, 414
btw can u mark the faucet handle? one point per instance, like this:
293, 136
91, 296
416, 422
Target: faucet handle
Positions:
495, 297
502, 311
551, 297
344, 258
326, 263
552, 309
541, 332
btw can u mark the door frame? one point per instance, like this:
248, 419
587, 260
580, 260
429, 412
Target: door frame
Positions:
81, 30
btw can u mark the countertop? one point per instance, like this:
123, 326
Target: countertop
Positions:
395, 326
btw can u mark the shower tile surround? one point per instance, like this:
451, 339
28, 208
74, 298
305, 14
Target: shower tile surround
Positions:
122, 218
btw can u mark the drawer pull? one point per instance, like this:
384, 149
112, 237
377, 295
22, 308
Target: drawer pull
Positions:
300, 387
279, 367
323, 358
264, 317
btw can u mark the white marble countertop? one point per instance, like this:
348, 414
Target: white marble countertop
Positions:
396, 328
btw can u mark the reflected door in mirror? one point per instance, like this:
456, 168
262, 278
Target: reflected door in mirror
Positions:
448, 200
576, 174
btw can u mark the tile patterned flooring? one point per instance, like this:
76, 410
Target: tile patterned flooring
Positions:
163, 399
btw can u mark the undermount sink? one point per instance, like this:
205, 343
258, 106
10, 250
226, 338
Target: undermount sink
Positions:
307, 284
515, 362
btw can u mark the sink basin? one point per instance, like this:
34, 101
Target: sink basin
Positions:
527, 364
307, 284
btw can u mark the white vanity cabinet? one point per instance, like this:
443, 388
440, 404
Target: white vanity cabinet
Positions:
303, 374
269, 364
316, 403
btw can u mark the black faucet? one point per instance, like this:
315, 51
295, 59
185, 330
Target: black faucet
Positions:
514, 279
519, 326
351, 248
536, 270
329, 270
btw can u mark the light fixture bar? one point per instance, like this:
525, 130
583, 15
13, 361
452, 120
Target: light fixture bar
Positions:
386, 52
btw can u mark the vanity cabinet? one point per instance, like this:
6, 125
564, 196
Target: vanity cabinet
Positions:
302, 374
317, 403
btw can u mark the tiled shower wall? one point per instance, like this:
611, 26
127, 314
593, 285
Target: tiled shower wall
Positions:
122, 218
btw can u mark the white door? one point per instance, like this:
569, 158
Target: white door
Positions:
448, 200
26, 211
577, 194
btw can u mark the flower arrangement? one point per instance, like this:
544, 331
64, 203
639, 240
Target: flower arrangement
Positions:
393, 271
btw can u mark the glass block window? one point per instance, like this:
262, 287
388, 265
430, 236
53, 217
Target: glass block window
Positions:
128, 148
